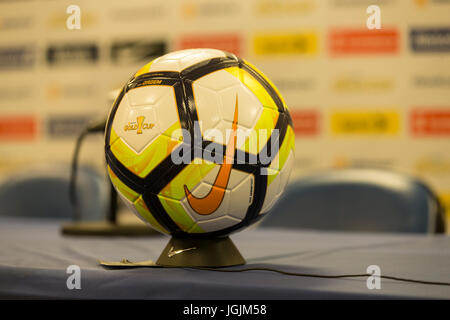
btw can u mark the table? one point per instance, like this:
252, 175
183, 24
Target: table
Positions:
34, 257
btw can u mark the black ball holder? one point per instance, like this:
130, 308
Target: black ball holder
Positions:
187, 252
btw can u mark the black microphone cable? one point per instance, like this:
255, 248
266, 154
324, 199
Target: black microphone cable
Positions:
324, 276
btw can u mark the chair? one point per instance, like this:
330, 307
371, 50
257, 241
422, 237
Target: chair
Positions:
367, 200
44, 192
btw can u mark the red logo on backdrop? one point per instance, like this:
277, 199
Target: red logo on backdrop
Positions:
17, 128
226, 42
306, 122
363, 41
430, 122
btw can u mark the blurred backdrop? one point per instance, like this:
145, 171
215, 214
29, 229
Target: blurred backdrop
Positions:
359, 97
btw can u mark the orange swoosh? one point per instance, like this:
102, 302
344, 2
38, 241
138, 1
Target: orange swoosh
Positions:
209, 203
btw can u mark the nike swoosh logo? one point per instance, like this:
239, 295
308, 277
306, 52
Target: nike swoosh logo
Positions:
172, 252
211, 202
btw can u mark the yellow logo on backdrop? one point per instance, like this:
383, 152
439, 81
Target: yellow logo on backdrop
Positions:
139, 125
365, 122
345, 161
285, 43
433, 165
421, 3
276, 7
54, 91
58, 20
361, 84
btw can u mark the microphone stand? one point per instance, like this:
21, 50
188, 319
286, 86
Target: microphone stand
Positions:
110, 226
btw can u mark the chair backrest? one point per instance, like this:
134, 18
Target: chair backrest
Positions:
358, 200
44, 192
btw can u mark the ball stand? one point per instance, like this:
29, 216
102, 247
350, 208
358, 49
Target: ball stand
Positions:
216, 252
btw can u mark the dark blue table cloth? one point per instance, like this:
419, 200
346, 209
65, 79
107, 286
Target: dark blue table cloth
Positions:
34, 257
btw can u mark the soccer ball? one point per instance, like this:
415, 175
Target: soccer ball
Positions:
199, 143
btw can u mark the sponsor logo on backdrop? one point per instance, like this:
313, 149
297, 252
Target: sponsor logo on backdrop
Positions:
145, 13
14, 23
70, 125
17, 57
18, 127
363, 41
430, 39
362, 3
432, 81
59, 20
436, 164
344, 161
304, 162
423, 3
353, 84
367, 122
288, 43
283, 8
57, 91
297, 84
136, 51
16, 93
228, 42
430, 122
306, 122
11, 162
210, 9
72, 54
